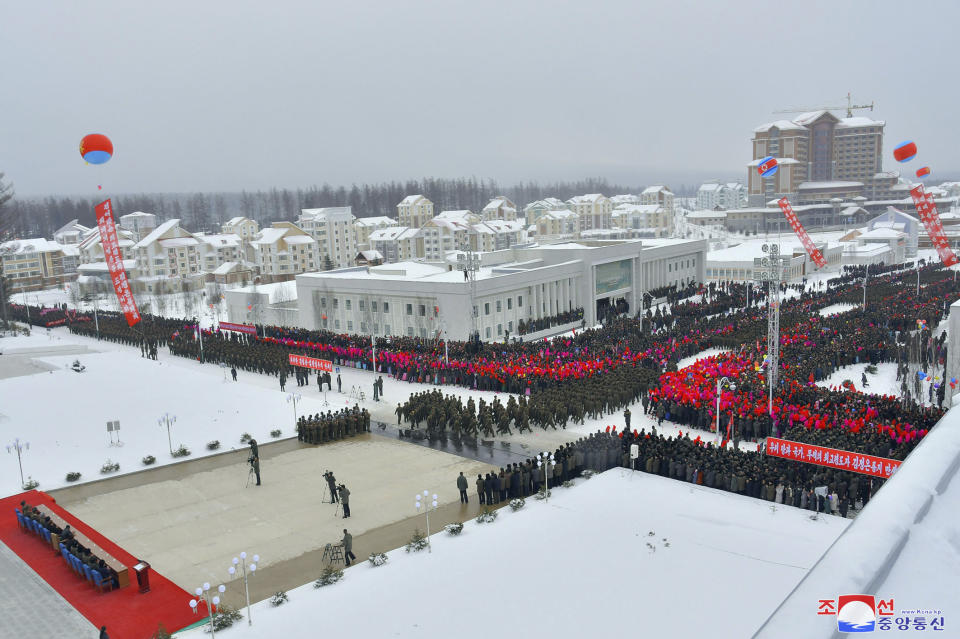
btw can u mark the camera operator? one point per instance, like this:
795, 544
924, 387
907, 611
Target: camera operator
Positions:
254, 459
344, 499
332, 483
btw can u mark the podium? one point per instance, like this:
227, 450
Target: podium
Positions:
143, 575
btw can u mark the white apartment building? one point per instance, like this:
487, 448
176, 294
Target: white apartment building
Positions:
219, 249
414, 211
333, 229
557, 223
535, 209
658, 194
243, 227
70, 233
31, 264
499, 208
169, 251
594, 210
441, 235
396, 244
731, 195
364, 226
139, 223
91, 249
496, 235
284, 249
652, 218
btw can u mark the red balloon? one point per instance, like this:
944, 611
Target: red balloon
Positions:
923, 171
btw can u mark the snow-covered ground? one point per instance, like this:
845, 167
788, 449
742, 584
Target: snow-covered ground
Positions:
64, 414
836, 309
719, 563
884, 382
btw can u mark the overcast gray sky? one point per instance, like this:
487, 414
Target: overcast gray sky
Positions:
224, 95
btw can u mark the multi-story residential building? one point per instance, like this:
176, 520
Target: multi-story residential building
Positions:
32, 264
658, 194
91, 249
713, 195
169, 251
626, 198
441, 235
333, 229
465, 216
594, 210
499, 208
70, 233
414, 211
396, 244
244, 228
284, 250
218, 249
557, 223
651, 218
364, 226
535, 209
496, 235
818, 148
139, 223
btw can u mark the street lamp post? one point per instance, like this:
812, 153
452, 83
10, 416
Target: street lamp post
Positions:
865, 277
19, 446
427, 507
546, 461
243, 572
732, 385
168, 420
293, 398
203, 593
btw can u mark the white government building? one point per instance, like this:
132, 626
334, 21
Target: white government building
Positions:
519, 283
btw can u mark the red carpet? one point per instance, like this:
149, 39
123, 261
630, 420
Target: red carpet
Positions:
126, 613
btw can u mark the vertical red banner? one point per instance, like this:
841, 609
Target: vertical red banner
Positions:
111, 252
928, 214
808, 244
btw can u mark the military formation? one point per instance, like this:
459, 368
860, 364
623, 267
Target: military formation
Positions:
333, 426
442, 413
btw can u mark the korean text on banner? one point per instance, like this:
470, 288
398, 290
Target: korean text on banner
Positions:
249, 329
311, 362
114, 259
842, 459
808, 244
928, 214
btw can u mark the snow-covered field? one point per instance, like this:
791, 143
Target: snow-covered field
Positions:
63, 414
719, 564
835, 309
884, 382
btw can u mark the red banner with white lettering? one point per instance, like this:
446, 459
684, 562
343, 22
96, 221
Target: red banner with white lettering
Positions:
111, 252
801, 232
832, 457
311, 362
249, 329
928, 214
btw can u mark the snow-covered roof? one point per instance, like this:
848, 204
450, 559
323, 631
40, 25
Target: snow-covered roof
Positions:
650, 190
499, 226
157, 232
562, 214
298, 239
546, 203
137, 214
452, 224
881, 233
635, 209
33, 245
225, 268
101, 267
276, 291
858, 121
626, 198
219, 240
411, 199
461, 215
71, 249
837, 184
783, 125
852, 210
499, 202
380, 220
336, 213
269, 235
710, 186
371, 255
235, 220
589, 198
699, 215
780, 161
176, 242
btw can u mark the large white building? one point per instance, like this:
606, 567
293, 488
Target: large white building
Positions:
651, 218
529, 283
284, 250
713, 195
333, 229
593, 209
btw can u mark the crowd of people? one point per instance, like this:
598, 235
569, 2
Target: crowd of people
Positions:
321, 428
534, 325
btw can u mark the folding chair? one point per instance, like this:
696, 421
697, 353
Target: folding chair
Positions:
100, 582
87, 572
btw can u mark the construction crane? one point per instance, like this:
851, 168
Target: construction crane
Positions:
850, 108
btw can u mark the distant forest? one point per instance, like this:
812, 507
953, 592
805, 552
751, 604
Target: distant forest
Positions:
41, 217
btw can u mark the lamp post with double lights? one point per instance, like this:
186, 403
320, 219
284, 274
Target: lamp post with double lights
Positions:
427, 507
168, 420
19, 446
203, 594
242, 561
546, 461
293, 398
732, 385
